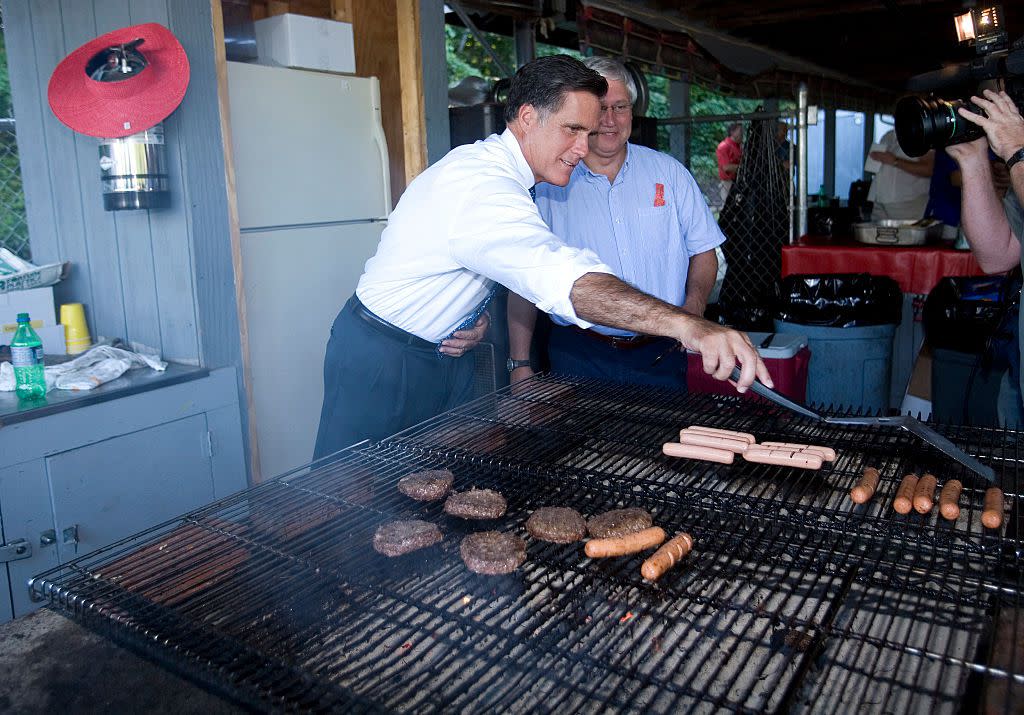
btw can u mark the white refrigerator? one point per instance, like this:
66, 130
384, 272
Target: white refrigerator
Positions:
311, 177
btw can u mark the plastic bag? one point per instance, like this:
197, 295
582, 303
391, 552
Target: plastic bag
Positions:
92, 368
843, 300
970, 314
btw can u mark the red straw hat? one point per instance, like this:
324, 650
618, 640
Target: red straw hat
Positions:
129, 102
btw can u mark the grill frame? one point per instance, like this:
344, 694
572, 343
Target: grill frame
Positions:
584, 443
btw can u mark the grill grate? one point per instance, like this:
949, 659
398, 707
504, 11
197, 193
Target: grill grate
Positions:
793, 599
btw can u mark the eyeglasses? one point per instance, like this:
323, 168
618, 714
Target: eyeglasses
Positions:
618, 109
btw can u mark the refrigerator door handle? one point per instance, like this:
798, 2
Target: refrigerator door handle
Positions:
382, 145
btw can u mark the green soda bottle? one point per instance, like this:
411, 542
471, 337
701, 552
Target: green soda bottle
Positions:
27, 358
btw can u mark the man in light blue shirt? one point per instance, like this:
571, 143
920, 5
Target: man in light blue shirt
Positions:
643, 214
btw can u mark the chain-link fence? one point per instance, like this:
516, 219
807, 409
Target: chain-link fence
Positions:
13, 224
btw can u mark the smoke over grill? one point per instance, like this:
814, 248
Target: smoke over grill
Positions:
793, 598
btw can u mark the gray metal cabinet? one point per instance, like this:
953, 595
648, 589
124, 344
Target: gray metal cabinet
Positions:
76, 480
100, 497
27, 521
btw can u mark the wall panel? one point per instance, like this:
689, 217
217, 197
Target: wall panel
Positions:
161, 277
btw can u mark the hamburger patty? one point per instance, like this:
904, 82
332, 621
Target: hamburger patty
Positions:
430, 485
618, 522
559, 524
492, 552
476, 504
401, 537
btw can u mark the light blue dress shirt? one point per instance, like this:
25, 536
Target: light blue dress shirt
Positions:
646, 234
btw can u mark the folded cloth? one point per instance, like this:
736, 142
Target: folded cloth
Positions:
92, 368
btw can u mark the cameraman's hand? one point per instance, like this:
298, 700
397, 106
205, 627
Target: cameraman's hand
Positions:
969, 153
1003, 126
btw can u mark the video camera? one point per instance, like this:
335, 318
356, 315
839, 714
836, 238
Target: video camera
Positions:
929, 123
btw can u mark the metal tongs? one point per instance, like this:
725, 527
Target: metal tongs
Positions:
910, 424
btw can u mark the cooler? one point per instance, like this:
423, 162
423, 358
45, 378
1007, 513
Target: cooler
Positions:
786, 356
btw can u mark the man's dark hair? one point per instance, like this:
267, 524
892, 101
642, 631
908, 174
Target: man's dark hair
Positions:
731, 128
544, 82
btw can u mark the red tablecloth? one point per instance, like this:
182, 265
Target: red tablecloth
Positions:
917, 270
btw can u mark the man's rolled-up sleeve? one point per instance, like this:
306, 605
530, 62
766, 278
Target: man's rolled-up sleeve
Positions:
501, 236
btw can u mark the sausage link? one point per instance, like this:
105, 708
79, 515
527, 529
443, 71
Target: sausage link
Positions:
992, 517
693, 451
731, 434
826, 453
924, 493
784, 457
623, 545
865, 489
670, 553
713, 441
904, 500
949, 499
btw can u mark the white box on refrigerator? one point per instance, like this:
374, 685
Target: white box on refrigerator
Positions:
304, 42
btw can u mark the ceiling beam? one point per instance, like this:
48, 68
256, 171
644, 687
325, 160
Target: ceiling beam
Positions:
745, 13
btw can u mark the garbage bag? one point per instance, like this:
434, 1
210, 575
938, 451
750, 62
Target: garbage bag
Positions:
974, 314
844, 300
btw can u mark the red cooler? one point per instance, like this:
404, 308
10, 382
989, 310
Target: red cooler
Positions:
786, 355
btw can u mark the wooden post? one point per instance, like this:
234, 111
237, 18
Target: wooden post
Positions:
387, 44
236, 234
341, 10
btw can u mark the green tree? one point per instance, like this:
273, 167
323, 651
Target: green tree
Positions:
467, 57
13, 225
705, 136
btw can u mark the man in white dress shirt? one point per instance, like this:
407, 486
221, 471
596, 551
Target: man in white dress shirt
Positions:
464, 224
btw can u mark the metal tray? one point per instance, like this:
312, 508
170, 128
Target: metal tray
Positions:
893, 232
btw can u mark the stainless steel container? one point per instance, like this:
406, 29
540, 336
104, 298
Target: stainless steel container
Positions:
893, 232
134, 171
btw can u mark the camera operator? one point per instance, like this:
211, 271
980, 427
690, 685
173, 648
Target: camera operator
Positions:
993, 227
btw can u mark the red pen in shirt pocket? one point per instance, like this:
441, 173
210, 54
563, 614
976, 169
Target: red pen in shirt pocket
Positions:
659, 194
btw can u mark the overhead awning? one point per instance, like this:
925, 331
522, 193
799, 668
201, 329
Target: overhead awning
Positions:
684, 50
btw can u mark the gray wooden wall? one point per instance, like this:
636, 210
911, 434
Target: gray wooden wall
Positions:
435, 79
161, 277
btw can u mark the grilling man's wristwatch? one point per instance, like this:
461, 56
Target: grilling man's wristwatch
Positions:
1015, 157
513, 364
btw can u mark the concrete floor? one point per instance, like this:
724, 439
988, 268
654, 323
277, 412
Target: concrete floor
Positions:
50, 664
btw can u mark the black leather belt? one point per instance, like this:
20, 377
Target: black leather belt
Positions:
392, 331
619, 342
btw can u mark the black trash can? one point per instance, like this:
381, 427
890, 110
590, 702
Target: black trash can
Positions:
970, 323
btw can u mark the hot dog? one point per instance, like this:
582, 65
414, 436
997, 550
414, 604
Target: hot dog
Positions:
713, 441
949, 498
693, 451
826, 453
623, 545
992, 517
924, 494
904, 500
670, 553
784, 457
865, 489
731, 434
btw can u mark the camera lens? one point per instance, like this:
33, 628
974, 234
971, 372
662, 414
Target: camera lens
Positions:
923, 124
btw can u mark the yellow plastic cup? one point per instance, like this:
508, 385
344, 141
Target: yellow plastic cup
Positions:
76, 332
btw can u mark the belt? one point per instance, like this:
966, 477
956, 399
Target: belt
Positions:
385, 328
619, 342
